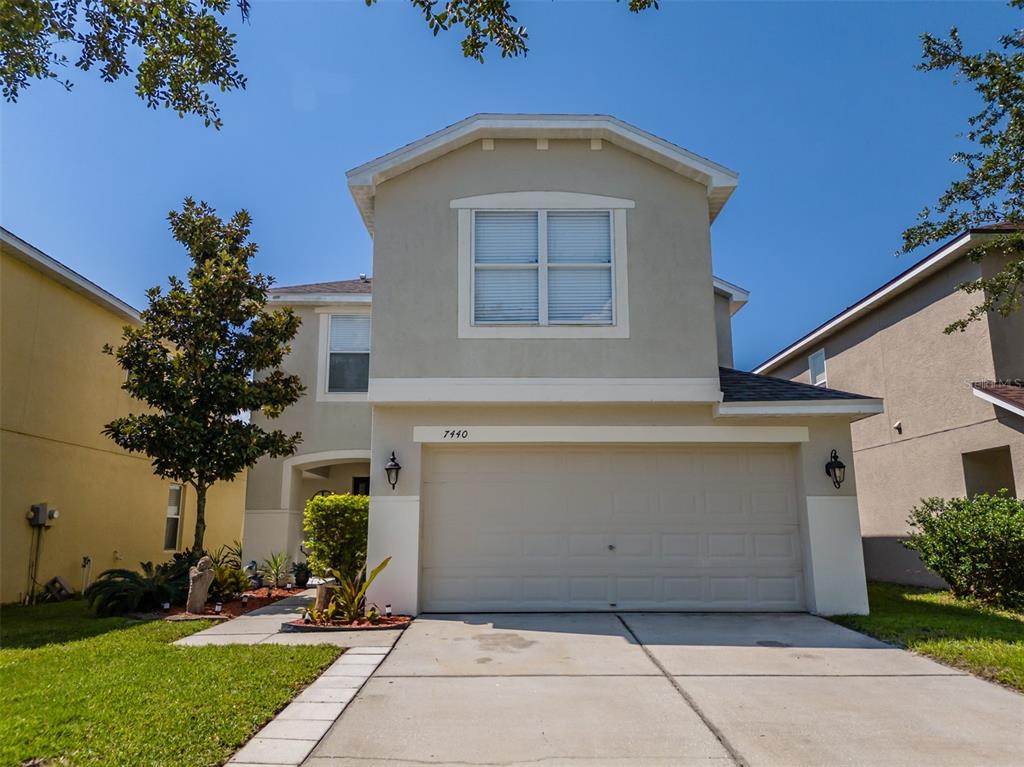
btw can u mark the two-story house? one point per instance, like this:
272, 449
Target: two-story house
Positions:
954, 417
548, 362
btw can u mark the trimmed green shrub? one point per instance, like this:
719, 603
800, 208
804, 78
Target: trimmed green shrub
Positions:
976, 544
335, 527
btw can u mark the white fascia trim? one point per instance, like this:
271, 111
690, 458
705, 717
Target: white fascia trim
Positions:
949, 253
313, 460
363, 180
540, 199
51, 267
1009, 406
737, 296
463, 390
608, 434
801, 407
620, 288
319, 298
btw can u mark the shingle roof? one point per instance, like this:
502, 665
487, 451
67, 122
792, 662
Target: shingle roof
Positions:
1011, 392
361, 286
740, 386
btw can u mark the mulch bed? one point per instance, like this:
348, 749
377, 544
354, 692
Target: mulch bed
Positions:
394, 622
233, 609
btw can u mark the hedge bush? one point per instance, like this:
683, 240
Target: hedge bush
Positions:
976, 544
335, 527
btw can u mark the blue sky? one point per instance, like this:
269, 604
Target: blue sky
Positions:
837, 139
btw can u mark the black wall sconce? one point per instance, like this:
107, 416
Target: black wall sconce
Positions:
835, 469
392, 467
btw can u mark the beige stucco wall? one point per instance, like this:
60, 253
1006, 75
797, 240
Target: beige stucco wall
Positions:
416, 260
395, 513
57, 390
335, 433
723, 330
899, 352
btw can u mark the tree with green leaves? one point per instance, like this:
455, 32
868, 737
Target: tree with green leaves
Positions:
990, 193
206, 354
186, 48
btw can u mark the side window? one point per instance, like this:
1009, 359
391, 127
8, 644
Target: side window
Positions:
816, 366
348, 368
172, 524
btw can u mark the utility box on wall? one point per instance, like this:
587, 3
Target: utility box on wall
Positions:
41, 515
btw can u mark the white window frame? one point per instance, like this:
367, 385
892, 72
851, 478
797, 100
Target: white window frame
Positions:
824, 368
178, 516
323, 369
542, 203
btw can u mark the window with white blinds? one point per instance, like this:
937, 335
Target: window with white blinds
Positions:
542, 267
348, 352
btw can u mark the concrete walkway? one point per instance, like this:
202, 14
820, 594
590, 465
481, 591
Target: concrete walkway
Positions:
597, 690
287, 739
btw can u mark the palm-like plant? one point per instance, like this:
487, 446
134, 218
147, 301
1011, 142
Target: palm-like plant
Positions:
349, 598
121, 591
275, 567
228, 555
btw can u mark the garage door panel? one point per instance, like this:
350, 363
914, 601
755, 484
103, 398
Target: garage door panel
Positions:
522, 530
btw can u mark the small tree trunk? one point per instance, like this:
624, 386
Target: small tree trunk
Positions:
197, 544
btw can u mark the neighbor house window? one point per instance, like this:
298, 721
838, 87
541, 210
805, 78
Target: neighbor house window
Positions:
348, 353
543, 267
172, 525
816, 365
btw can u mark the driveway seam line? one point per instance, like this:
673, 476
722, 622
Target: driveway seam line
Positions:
734, 754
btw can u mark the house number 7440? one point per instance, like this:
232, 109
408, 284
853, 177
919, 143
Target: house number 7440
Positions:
456, 434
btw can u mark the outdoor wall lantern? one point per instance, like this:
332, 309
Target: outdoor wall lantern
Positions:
836, 469
391, 468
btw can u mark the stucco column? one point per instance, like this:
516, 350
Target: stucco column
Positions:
833, 550
394, 529
395, 532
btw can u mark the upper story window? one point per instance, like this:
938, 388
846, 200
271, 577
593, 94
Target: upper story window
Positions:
348, 365
816, 366
542, 267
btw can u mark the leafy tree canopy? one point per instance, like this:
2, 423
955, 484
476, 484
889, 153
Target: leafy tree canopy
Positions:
991, 189
207, 352
186, 47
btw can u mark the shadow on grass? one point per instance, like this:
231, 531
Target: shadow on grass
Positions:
907, 614
56, 623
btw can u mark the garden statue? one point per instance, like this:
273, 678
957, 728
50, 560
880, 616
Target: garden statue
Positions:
200, 576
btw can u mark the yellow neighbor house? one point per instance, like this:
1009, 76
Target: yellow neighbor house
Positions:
57, 390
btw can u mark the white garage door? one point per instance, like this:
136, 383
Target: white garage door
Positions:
602, 528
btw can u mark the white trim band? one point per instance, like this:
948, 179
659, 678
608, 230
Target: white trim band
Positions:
816, 407
462, 390
459, 434
1008, 406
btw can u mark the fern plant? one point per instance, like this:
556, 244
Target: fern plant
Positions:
228, 582
121, 591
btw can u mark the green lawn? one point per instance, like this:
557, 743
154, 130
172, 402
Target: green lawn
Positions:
979, 639
79, 690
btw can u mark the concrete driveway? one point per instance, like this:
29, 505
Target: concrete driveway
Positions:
666, 689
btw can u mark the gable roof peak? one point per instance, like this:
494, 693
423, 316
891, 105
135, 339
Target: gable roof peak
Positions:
363, 180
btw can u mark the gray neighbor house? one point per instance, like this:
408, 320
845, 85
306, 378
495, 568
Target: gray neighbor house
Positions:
954, 404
